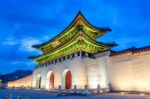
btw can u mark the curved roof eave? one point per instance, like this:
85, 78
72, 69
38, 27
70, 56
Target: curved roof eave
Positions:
78, 34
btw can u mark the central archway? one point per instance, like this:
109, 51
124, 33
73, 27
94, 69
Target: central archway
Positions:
68, 80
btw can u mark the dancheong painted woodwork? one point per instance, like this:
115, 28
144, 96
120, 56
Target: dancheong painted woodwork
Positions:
80, 35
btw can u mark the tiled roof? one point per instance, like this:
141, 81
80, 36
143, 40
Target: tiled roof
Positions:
132, 50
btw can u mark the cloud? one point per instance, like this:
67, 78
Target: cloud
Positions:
27, 43
30, 63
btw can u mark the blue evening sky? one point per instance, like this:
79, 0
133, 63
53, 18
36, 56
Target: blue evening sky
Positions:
27, 22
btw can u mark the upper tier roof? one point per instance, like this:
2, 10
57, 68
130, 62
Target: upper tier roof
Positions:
78, 23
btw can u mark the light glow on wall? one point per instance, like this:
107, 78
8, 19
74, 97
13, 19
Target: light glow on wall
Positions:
23, 82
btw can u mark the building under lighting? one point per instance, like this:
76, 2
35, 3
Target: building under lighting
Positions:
75, 58
24, 82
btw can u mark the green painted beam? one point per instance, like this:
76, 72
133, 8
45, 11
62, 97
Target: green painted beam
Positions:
81, 42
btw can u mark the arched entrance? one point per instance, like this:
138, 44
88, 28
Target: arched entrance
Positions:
38, 82
51, 80
68, 80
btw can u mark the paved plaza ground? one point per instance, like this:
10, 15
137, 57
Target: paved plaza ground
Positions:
47, 95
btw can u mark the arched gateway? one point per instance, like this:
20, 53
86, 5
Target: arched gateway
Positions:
50, 80
67, 79
68, 82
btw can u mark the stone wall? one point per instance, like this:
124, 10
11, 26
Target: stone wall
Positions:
23, 82
91, 72
74, 65
130, 72
102, 60
123, 72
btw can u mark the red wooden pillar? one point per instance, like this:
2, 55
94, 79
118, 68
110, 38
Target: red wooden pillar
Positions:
68, 80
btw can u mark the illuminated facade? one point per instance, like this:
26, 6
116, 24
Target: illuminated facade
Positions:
24, 82
75, 58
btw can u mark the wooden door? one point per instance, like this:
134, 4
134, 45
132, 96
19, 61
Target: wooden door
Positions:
52, 80
68, 80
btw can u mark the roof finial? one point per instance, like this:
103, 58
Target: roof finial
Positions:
80, 13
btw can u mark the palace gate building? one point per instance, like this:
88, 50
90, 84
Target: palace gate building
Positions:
75, 58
